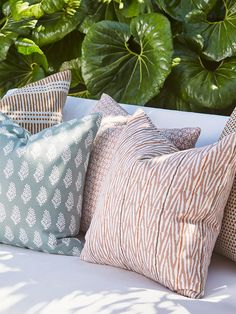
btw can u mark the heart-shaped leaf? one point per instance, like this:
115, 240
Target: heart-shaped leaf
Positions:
130, 63
204, 83
215, 29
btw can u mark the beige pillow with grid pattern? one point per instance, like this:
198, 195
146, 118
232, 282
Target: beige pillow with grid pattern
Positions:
226, 242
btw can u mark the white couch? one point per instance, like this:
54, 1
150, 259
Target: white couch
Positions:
33, 282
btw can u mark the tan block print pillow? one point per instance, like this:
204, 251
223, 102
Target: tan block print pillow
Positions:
226, 242
160, 210
113, 122
38, 105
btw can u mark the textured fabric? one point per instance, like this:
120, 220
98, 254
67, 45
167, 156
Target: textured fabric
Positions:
41, 188
159, 215
182, 138
114, 119
113, 122
109, 107
226, 242
38, 105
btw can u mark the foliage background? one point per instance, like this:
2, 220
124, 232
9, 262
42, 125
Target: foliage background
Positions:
178, 54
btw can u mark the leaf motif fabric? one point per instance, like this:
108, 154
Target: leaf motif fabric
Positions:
40, 197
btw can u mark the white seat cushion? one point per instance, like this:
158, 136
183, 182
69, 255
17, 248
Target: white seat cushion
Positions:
33, 282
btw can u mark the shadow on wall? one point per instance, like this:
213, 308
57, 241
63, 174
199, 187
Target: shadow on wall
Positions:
32, 282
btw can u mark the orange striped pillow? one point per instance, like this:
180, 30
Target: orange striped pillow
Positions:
159, 215
38, 105
113, 122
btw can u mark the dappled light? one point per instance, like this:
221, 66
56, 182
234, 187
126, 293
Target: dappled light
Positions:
74, 286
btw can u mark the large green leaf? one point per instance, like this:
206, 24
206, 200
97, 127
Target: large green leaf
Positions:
122, 11
9, 32
55, 18
72, 42
18, 70
132, 8
75, 66
10, 29
77, 87
178, 9
215, 30
93, 12
6, 40
130, 63
21, 9
53, 27
26, 46
169, 96
203, 83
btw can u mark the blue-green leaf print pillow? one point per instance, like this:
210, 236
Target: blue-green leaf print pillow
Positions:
41, 184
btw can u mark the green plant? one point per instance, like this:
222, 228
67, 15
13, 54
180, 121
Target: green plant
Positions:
178, 54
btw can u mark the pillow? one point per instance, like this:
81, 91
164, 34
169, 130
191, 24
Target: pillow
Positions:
182, 138
113, 122
159, 215
42, 178
226, 242
38, 105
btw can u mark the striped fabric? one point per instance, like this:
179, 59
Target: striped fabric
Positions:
38, 105
159, 215
226, 242
113, 122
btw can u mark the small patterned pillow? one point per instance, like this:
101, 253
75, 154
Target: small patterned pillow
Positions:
41, 187
226, 242
38, 105
160, 210
113, 122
